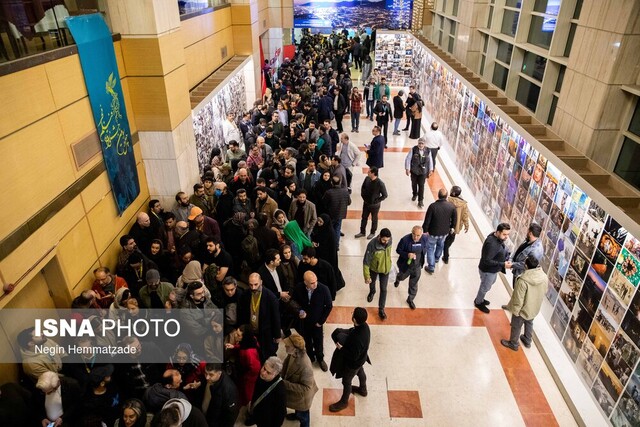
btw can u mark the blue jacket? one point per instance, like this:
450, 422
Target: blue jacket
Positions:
406, 245
376, 152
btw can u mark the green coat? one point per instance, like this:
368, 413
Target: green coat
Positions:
164, 290
377, 258
528, 294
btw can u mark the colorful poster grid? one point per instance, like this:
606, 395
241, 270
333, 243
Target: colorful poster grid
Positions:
592, 262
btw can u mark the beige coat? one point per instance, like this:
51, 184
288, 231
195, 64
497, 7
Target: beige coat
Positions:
463, 214
528, 294
299, 383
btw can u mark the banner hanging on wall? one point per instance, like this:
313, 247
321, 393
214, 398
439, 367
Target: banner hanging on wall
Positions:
100, 69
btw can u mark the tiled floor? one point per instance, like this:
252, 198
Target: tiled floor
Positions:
441, 364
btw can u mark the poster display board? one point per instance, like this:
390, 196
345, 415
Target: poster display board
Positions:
593, 263
394, 58
207, 122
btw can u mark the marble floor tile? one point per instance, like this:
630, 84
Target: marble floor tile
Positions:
404, 404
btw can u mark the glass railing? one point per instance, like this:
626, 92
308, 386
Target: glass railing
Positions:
192, 6
30, 27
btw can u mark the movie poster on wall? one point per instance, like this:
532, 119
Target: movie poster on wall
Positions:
207, 123
592, 262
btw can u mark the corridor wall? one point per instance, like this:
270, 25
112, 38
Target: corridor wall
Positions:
590, 257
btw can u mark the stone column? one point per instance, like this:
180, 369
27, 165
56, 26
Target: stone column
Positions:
158, 85
604, 56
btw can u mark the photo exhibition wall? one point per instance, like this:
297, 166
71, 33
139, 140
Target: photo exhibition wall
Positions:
207, 122
592, 262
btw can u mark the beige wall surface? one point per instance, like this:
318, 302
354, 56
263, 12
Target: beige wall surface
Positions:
45, 110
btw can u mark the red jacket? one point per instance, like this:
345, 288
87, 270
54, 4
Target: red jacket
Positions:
103, 300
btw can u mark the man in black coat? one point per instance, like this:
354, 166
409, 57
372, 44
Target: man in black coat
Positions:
259, 310
383, 116
375, 151
353, 345
439, 222
398, 110
220, 397
274, 280
336, 201
315, 304
322, 269
339, 107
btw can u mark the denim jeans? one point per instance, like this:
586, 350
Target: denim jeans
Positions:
337, 226
304, 417
396, 124
486, 281
370, 104
355, 120
435, 245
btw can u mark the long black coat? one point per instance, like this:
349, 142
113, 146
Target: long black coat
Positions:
268, 319
320, 306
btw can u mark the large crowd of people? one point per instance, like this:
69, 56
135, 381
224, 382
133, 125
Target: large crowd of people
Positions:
258, 239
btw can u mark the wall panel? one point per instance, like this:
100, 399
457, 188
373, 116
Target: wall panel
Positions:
76, 252
37, 164
66, 80
26, 97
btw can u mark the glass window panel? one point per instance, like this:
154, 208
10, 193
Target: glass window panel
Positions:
482, 64
560, 78
628, 164
450, 46
510, 22
552, 111
550, 7
490, 17
541, 30
440, 39
500, 75
533, 65
453, 27
528, 94
444, 5
572, 33
486, 43
504, 52
441, 22
455, 7
514, 3
634, 126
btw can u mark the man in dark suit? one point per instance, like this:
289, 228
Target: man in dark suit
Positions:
273, 279
353, 345
315, 304
398, 110
258, 310
375, 151
339, 107
383, 115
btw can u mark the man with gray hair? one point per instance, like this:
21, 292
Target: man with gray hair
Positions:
268, 405
418, 166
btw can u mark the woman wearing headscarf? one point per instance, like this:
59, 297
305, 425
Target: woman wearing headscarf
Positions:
324, 240
299, 240
319, 188
118, 308
191, 273
297, 375
191, 368
233, 232
288, 266
278, 223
